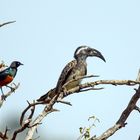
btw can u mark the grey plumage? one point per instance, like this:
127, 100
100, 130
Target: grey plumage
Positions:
74, 69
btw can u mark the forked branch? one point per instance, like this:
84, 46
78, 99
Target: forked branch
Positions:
49, 107
3, 99
122, 120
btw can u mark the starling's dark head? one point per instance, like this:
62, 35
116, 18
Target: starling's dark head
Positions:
86, 51
15, 64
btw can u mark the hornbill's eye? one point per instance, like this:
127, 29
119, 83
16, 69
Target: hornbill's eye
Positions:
89, 50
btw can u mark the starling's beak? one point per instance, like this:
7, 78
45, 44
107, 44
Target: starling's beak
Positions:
21, 64
96, 53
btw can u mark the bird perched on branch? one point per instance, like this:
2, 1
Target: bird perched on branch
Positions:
74, 69
7, 75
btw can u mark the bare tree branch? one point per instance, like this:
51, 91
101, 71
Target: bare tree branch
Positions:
49, 107
122, 120
33, 124
26, 109
4, 136
6, 23
100, 82
25, 125
138, 77
16, 132
3, 99
131, 106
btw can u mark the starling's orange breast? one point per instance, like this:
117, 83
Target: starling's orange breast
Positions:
6, 81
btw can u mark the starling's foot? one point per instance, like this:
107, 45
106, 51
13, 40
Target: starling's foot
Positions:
3, 97
12, 89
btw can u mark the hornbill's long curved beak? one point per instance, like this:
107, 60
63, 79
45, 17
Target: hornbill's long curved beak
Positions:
96, 53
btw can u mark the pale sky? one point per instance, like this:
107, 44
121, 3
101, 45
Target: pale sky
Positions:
44, 38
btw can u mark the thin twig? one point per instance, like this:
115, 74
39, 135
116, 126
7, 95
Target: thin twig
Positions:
21, 129
138, 77
90, 89
4, 135
6, 23
26, 109
79, 78
64, 102
25, 125
137, 108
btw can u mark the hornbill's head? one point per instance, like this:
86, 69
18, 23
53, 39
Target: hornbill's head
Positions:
85, 51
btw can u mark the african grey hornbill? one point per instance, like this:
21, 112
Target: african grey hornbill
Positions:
74, 69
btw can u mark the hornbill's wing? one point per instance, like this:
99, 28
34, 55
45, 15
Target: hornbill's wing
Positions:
61, 81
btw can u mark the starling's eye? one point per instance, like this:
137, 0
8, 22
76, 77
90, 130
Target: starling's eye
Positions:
18, 63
